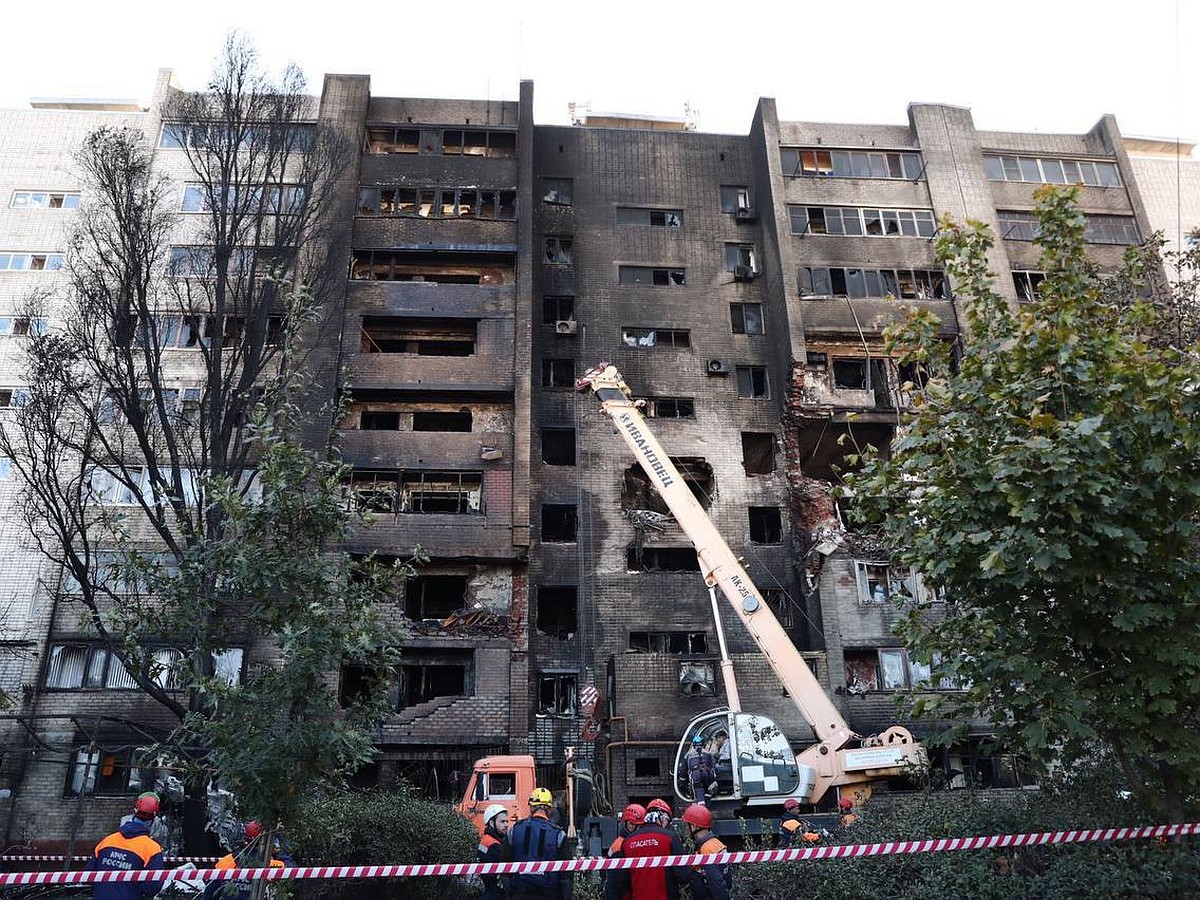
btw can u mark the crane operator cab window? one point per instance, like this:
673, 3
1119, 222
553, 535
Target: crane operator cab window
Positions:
750, 754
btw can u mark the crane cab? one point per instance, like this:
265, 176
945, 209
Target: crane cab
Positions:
754, 762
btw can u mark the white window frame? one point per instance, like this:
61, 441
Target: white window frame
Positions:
44, 200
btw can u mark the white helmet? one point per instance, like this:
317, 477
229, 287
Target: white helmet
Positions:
491, 812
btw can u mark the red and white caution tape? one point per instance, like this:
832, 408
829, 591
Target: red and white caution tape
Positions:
19, 857
596, 864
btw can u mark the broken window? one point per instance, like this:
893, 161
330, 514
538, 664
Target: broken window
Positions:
443, 676
758, 453
662, 559
735, 198
559, 251
30, 262
449, 267
116, 771
752, 383
884, 669
557, 309
421, 337
678, 642
434, 596
558, 446
453, 493
1028, 285
697, 679
373, 491
782, 606
651, 275
386, 139
908, 284
379, 420
635, 215
558, 611
356, 684
647, 767
44, 200
459, 421
741, 259
670, 408
558, 523
559, 191
850, 163
557, 694
697, 474
496, 144
879, 582
558, 373
850, 374
747, 318
1095, 173
656, 337
854, 221
766, 525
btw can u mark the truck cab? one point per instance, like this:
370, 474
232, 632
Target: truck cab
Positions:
507, 780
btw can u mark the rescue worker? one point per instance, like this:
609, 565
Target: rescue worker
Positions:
712, 881
658, 812
632, 817
650, 839
701, 771
792, 829
249, 857
129, 848
491, 848
533, 840
846, 808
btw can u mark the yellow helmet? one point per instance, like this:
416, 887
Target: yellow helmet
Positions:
541, 797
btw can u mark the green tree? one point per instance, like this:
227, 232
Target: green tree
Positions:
1047, 483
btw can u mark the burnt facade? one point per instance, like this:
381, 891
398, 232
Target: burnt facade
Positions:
739, 282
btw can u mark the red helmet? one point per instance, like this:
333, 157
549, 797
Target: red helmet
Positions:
699, 815
657, 805
253, 829
791, 803
634, 814
146, 805
845, 804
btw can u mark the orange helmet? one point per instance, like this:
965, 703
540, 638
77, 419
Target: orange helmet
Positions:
146, 805
699, 815
633, 814
657, 805
845, 804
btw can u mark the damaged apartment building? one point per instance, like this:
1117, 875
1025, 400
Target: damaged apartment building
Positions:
740, 283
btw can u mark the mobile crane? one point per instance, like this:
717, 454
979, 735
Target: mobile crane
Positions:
765, 771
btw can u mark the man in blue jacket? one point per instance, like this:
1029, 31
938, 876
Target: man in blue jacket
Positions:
129, 848
535, 839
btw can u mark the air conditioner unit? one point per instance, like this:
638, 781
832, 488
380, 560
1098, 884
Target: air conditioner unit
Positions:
744, 214
717, 367
566, 326
744, 273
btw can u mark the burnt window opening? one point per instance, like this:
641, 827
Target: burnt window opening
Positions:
824, 446
434, 596
372, 490
678, 642
558, 446
437, 202
781, 605
442, 421
746, 318
647, 767
443, 267
496, 144
558, 611
557, 309
651, 276
636, 215
558, 694
558, 191
382, 139
379, 420
734, 197
766, 525
915, 374
421, 337
454, 493
558, 374
662, 559
850, 374
1028, 285
559, 523
670, 408
752, 383
425, 678
639, 492
560, 251
356, 685
758, 453
697, 679
644, 338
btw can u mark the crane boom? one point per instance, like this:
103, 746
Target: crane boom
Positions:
831, 759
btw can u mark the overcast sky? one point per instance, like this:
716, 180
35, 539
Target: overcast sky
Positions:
1036, 65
